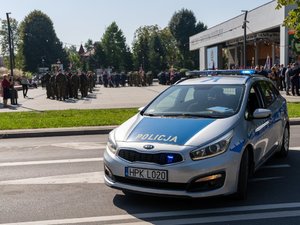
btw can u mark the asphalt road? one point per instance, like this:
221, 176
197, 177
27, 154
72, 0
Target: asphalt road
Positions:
58, 180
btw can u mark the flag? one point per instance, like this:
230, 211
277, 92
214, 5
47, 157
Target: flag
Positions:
268, 63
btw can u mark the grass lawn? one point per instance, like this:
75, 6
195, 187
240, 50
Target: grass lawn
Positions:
79, 118
64, 118
294, 110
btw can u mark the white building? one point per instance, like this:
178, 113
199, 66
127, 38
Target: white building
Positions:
266, 38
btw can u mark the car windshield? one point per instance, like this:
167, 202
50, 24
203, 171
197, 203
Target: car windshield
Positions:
216, 101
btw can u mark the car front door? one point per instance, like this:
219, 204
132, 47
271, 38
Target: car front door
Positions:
271, 102
258, 131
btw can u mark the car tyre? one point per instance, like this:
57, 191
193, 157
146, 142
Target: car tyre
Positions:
284, 149
243, 177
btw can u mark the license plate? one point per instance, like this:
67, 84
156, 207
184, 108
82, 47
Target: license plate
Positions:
146, 174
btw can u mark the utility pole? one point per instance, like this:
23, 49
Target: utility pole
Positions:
10, 47
245, 37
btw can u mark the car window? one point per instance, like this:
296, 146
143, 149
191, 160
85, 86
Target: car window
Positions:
201, 100
268, 94
169, 101
253, 101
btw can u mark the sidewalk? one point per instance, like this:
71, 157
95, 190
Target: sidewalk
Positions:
123, 97
101, 98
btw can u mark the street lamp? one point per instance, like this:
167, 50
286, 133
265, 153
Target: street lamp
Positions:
10, 47
245, 35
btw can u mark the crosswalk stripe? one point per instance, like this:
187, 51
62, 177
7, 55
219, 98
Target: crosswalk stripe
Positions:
79, 178
41, 162
194, 220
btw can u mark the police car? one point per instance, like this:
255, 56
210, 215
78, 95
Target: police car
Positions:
201, 137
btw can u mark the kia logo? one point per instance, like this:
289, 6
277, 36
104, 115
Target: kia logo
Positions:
148, 146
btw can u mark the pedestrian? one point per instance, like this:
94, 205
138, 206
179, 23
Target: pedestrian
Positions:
24, 83
274, 77
83, 80
6, 89
61, 85
75, 85
295, 80
282, 77
287, 79
46, 82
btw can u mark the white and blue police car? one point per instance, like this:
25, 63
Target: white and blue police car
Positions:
201, 137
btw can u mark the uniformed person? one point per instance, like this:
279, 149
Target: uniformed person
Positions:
61, 84
46, 83
83, 84
75, 85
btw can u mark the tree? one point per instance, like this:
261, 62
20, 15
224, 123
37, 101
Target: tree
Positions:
89, 45
115, 48
74, 58
293, 18
97, 59
141, 46
38, 41
4, 36
173, 57
183, 25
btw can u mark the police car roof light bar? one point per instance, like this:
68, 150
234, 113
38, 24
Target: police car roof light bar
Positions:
220, 72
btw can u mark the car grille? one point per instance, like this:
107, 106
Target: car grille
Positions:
158, 158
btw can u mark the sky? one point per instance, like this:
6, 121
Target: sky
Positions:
76, 21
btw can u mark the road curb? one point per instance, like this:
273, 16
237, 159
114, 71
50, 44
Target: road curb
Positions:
52, 132
30, 133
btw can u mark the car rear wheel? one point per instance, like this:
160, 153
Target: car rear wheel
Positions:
241, 193
284, 150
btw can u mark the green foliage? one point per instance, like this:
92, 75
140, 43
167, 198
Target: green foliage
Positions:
74, 58
64, 118
80, 118
183, 25
38, 41
4, 36
293, 18
154, 49
115, 48
294, 109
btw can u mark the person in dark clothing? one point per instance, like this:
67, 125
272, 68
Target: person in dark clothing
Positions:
295, 79
61, 84
6, 92
83, 85
75, 85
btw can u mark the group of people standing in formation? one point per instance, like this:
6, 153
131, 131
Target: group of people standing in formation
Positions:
62, 86
133, 78
285, 78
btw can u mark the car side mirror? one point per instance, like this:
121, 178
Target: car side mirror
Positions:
261, 113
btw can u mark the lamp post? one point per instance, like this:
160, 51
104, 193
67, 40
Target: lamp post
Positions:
10, 47
245, 36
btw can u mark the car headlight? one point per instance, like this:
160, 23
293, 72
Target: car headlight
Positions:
217, 148
111, 144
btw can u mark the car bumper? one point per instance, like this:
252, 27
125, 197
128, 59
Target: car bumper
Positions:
209, 177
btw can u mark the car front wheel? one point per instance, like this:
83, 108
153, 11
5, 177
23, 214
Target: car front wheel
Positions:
241, 193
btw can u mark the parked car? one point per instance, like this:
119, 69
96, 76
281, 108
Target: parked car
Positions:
201, 137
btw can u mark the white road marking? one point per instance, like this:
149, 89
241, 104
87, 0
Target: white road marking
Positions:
294, 148
79, 178
194, 220
80, 145
41, 162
